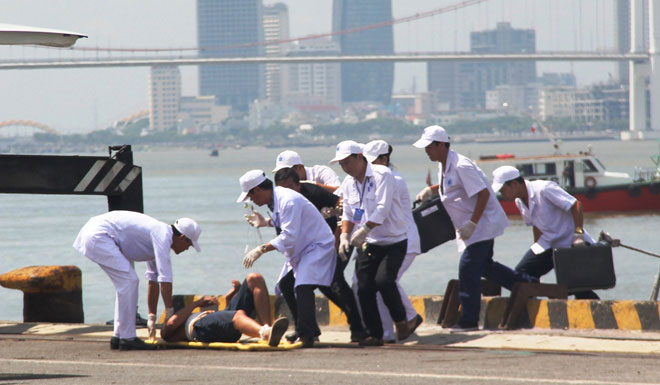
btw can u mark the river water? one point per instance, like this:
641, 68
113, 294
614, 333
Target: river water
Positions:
39, 229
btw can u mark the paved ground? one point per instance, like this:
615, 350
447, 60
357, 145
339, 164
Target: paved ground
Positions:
80, 354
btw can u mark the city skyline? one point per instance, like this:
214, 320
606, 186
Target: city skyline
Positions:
84, 100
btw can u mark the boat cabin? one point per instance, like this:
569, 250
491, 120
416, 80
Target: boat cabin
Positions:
569, 170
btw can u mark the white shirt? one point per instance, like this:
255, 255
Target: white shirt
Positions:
379, 199
414, 243
550, 211
322, 174
461, 182
138, 236
306, 239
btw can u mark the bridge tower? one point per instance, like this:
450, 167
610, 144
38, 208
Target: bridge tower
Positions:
641, 70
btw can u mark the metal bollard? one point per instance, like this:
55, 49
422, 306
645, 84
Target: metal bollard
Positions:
50, 293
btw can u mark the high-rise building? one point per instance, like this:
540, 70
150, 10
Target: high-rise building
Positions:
164, 96
276, 28
365, 81
463, 84
313, 85
230, 28
622, 18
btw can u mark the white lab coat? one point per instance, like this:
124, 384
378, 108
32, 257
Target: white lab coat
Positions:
305, 239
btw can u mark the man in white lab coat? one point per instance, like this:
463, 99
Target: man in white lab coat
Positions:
305, 239
115, 240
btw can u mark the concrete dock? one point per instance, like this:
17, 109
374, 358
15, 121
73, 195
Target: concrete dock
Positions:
80, 354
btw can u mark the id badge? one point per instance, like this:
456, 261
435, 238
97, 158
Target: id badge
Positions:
357, 215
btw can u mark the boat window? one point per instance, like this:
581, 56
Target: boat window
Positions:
526, 169
589, 166
545, 169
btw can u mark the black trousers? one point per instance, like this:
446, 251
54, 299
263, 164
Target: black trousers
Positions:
339, 292
538, 265
306, 325
376, 269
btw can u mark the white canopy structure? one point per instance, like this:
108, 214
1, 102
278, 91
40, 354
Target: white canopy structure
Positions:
19, 34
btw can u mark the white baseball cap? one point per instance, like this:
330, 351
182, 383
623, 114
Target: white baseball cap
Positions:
346, 148
287, 158
374, 149
250, 180
503, 174
190, 229
432, 134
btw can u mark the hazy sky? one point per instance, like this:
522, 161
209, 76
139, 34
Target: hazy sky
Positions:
81, 100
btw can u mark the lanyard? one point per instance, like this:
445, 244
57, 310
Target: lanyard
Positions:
364, 188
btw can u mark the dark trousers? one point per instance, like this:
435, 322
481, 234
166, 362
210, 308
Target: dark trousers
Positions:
306, 325
376, 270
538, 265
476, 262
339, 292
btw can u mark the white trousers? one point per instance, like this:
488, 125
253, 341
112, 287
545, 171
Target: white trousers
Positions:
127, 286
385, 318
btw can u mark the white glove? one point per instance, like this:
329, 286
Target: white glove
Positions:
344, 247
358, 237
425, 194
578, 239
256, 219
151, 326
467, 230
252, 256
169, 311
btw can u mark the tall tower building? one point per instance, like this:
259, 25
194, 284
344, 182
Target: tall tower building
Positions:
365, 81
230, 28
623, 33
164, 96
276, 27
463, 85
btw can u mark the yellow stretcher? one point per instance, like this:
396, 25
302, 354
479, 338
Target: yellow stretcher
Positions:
245, 346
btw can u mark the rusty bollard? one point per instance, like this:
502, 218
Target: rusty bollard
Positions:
50, 293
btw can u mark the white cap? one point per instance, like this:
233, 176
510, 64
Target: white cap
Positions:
503, 174
287, 158
250, 180
190, 229
345, 149
432, 134
374, 149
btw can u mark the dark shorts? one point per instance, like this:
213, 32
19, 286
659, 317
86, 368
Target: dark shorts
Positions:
216, 327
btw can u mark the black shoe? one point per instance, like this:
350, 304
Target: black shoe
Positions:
372, 341
308, 342
114, 343
277, 331
292, 337
134, 344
